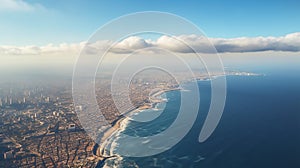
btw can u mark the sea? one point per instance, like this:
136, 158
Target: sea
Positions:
259, 128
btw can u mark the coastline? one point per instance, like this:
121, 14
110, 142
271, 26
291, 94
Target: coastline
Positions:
116, 125
154, 100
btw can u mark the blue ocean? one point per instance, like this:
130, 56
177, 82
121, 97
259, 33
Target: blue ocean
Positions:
260, 126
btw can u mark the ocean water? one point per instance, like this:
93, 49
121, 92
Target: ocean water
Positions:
260, 127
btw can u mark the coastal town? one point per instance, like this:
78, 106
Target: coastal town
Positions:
40, 127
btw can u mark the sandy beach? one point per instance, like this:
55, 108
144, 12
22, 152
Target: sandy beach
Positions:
117, 123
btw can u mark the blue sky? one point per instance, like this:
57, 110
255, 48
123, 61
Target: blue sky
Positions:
74, 21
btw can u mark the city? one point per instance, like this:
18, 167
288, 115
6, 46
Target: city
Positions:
40, 128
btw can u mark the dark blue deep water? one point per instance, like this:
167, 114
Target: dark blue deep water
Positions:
260, 126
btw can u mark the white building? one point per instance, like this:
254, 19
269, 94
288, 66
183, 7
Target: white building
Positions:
71, 127
8, 155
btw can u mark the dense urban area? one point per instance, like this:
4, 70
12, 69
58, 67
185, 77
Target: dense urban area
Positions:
40, 127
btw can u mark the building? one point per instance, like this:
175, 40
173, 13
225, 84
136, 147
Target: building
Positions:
8, 155
47, 99
71, 127
78, 108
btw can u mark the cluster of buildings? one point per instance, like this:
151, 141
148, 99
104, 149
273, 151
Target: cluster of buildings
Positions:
40, 128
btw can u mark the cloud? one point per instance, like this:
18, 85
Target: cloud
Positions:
201, 44
179, 44
63, 48
18, 5
290, 42
130, 44
185, 44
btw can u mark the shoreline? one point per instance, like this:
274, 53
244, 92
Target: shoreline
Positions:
116, 124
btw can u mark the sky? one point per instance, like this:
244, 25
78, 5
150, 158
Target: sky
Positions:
50, 34
31, 22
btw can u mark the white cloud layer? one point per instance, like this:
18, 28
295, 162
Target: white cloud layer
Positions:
179, 44
18, 5
194, 43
